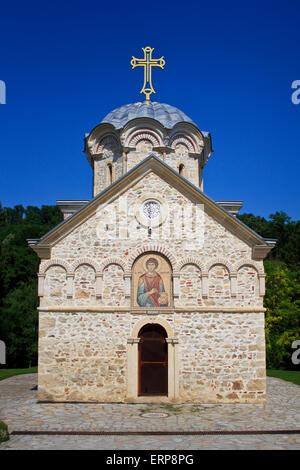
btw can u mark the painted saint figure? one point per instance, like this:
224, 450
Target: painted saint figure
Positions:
151, 289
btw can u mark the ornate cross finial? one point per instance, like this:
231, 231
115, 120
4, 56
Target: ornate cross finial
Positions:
147, 62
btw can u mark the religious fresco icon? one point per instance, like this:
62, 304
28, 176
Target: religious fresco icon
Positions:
152, 282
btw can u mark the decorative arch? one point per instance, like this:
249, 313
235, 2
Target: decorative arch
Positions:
180, 138
144, 134
158, 248
240, 264
55, 262
113, 260
139, 126
106, 141
87, 261
195, 261
222, 261
190, 132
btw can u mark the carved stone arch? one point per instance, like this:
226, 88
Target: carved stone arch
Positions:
114, 260
155, 248
142, 123
144, 134
191, 132
55, 262
86, 261
186, 140
183, 262
221, 261
146, 320
242, 263
107, 140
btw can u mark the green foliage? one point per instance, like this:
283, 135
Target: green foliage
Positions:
286, 232
18, 279
4, 436
282, 299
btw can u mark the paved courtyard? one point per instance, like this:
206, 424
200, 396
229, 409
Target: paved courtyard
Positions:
20, 410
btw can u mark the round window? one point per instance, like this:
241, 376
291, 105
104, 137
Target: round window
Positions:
151, 209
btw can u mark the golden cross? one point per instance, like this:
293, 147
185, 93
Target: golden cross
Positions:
147, 62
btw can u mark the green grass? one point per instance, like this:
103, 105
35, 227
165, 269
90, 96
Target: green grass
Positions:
289, 375
6, 373
4, 436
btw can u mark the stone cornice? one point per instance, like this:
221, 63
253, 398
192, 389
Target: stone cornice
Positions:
231, 206
167, 311
259, 252
163, 149
42, 250
68, 207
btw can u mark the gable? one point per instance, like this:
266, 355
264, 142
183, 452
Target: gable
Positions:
150, 176
117, 227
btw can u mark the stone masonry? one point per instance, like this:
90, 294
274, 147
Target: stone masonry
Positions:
83, 348
214, 321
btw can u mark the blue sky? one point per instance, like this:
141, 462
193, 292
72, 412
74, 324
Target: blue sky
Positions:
229, 66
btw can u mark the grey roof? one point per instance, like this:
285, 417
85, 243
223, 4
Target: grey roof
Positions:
166, 114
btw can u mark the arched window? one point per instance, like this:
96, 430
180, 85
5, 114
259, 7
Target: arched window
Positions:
181, 169
110, 173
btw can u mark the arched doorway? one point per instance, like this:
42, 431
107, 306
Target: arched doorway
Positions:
153, 361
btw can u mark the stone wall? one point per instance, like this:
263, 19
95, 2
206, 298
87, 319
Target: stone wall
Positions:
86, 317
222, 357
83, 356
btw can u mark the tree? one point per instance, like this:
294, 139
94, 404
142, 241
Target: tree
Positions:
282, 301
18, 279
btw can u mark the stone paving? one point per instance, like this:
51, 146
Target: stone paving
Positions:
20, 410
263, 442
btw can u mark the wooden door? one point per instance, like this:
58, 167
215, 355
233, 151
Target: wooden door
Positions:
153, 361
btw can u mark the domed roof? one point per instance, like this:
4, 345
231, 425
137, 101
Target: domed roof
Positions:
167, 115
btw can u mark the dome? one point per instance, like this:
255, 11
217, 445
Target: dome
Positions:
167, 115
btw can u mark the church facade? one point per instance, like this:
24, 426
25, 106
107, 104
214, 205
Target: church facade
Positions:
151, 291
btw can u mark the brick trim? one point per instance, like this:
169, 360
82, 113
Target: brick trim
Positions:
87, 261
152, 247
113, 260
55, 262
